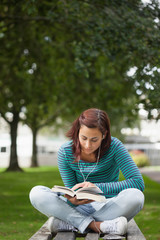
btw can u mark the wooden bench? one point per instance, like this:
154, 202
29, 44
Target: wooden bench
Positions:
133, 233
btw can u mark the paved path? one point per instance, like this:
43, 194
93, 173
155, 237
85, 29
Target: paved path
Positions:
153, 174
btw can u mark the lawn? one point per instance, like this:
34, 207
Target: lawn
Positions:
19, 220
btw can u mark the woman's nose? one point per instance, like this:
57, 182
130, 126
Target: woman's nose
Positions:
88, 144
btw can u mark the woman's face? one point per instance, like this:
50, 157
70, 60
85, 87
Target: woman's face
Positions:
90, 139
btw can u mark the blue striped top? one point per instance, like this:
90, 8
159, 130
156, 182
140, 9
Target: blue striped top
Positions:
106, 173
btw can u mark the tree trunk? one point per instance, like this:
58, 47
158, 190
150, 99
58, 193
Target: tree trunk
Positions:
34, 160
13, 165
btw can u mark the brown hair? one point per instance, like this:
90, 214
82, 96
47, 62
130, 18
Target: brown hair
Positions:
91, 118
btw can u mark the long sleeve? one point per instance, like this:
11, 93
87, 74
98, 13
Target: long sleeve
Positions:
124, 162
106, 173
68, 175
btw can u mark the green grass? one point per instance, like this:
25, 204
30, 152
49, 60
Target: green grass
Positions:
148, 219
19, 220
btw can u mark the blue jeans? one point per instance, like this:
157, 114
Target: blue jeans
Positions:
127, 203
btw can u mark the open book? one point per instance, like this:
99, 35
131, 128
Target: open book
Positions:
91, 193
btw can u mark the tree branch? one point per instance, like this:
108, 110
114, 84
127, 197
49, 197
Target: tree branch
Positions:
4, 117
25, 18
49, 120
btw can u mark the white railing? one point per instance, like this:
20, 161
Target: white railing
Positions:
152, 150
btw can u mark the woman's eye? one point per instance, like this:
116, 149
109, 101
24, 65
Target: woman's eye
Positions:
94, 140
84, 139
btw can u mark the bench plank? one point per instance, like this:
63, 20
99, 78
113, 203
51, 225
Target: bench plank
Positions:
92, 236
65, 236
42, 234
134, 232
113, 237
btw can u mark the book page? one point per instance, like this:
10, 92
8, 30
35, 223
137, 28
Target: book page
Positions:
64, 190
90, 196
90, 190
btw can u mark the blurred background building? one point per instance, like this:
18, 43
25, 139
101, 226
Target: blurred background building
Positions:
147, 139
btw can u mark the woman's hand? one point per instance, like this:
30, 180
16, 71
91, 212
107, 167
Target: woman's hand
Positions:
83, 184
74, 200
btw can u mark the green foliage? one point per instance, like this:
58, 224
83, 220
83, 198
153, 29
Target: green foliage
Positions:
61, 57
93, 44
140, 158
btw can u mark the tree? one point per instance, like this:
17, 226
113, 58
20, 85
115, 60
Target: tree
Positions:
148, 90
13, 97
99, 41
17, 65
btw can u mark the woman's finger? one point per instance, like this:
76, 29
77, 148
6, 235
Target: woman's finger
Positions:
79, 185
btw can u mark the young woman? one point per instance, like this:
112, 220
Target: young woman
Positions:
92, 157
